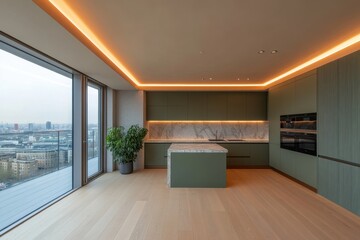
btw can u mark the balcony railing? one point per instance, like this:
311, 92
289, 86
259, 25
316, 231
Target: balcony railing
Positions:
28, 155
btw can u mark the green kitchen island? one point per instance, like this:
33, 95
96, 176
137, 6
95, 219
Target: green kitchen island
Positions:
196, 165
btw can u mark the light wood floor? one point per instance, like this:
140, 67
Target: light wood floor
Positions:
257, 204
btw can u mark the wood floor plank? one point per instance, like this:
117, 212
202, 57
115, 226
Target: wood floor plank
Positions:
257, 204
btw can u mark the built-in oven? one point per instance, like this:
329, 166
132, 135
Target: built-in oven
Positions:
298, 133
299, 142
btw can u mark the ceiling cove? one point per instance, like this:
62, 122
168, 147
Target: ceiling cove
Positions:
64, 13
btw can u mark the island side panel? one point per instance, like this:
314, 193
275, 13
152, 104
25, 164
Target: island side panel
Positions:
198, 170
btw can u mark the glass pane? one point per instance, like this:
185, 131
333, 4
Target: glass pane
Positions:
93, 137
35, 137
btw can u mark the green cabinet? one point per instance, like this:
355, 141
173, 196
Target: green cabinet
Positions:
339, 109
247, 154
256, 106
177, 103
328, 107
338, 131
259, 154
196, 109
340, 183
206, 106
156, 155
216, 105
156, 105
296, 96
236, 106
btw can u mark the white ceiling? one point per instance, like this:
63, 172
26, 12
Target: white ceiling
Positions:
189, 41
25, 21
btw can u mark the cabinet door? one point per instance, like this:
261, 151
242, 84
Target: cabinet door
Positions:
216, 106
328, 107
328, 179
177, 106
156, 98
156, 113
236, 106
156, 106
349, 107
156, 155
259, 154
340, 183
274, 155
256, 106
196, 106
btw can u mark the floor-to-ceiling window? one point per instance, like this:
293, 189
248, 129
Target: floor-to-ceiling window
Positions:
94, 129
36, 163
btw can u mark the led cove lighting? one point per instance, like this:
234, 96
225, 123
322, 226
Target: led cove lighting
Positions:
68, 13
206, 121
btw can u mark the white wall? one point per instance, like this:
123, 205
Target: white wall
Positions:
130, 110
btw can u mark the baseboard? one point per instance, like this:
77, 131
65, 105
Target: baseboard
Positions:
295, 180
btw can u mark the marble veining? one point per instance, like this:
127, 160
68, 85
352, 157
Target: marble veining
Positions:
206, 130
193, 148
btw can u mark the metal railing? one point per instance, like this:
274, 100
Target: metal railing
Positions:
28, 155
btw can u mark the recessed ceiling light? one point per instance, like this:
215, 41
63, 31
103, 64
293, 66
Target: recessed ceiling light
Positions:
248, 78
238, 79
274, 51
210, 79
261, 51
201, 52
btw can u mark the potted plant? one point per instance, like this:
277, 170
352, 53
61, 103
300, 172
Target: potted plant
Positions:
125, 145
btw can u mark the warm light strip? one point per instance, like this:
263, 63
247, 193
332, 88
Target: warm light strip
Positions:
322, 56
84, 29
206, 121
62, 7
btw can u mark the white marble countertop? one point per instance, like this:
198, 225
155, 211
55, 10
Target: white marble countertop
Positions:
231, 140
195, 148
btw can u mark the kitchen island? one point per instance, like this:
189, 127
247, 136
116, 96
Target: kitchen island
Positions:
196, 165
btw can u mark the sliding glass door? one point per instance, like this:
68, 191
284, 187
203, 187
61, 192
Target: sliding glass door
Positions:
36, 163
94, 130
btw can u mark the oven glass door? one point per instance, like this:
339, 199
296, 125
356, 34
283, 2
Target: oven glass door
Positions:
307, 143
288, 140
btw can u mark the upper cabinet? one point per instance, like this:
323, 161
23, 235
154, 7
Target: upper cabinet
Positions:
339, 108
206, 106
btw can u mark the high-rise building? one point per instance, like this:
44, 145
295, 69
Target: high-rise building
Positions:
31, 126
48, 125
16, 126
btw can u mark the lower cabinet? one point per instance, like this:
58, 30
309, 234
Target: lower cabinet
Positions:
156, 155
247, 154
239, 155
340, 183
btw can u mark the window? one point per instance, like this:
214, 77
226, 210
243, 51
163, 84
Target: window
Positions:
36, 137
94, 131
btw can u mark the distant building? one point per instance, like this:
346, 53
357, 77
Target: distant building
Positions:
5, 164
16, 127
31, 127
44, 159
24, 168
48, 125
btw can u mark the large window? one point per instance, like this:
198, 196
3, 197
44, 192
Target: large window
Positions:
94, 133
36, 163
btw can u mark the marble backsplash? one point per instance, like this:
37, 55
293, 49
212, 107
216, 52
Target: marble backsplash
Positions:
206, 130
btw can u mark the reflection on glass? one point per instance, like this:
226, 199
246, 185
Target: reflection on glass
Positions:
35, 137
93, 137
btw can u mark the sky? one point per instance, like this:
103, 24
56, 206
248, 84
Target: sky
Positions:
30, 93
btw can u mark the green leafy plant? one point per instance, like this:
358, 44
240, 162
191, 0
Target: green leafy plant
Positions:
125, 145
